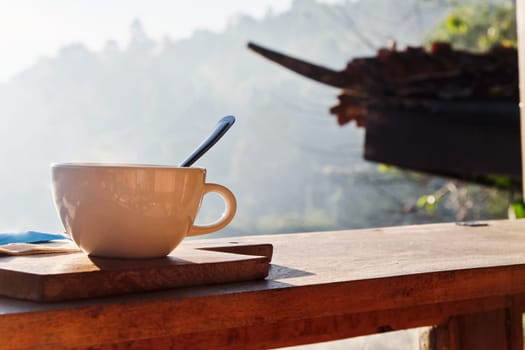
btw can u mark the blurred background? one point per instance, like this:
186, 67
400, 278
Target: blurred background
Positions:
145, 82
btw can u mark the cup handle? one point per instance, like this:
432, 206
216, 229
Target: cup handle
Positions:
227, 215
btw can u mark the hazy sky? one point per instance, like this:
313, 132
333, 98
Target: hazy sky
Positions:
33, 28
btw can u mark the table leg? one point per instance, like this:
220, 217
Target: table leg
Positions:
491, 330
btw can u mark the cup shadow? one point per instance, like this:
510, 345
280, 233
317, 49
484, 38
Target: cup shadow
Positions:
279, 272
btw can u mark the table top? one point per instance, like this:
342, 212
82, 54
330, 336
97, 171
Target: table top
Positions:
319, 274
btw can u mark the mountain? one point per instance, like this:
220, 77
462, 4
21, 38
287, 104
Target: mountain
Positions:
289, 164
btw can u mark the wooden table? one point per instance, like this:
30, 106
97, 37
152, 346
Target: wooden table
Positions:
469, 281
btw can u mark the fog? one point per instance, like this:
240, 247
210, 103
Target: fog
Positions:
289, 164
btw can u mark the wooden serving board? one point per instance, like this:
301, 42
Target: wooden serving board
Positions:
56, 277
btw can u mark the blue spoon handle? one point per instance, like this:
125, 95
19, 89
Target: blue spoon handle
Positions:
222, 126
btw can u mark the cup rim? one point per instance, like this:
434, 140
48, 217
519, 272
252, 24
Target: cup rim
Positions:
120, 165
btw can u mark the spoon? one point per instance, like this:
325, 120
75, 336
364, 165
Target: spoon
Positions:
220, 129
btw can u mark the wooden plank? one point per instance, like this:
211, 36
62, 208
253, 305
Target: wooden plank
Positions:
319, 329
446, 139
132, 328
365, 306
365, 255
321, 286
54, 277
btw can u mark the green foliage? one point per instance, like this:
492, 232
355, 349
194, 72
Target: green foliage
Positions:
478, 26
385, 168
500, 181
517, 209
429, 202
470, 201
456, 24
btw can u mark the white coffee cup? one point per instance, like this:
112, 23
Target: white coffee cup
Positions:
133, 211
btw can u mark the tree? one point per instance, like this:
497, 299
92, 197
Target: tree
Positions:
478, 26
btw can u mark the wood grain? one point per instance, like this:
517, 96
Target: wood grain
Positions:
54, 277
482, 138
321, 286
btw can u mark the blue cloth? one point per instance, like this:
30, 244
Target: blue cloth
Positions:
29, 237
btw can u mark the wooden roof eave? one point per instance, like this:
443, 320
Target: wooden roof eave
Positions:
309, 70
